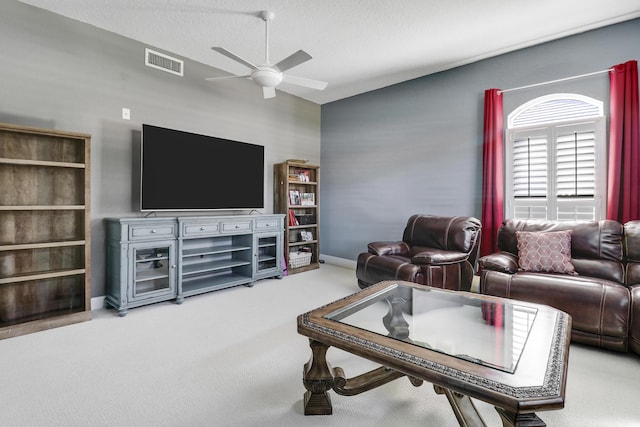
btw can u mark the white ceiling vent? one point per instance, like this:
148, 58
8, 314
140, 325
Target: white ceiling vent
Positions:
163, 62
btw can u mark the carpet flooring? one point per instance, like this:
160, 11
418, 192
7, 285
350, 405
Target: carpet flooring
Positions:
234, 358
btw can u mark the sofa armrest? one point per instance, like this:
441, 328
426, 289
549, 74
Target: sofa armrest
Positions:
503, 262
438, 257
388, 248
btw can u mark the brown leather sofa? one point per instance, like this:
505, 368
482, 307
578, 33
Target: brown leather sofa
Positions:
603, 298
434, 251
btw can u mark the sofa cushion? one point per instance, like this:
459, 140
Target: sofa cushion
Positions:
591, 241
599, 309
548, 252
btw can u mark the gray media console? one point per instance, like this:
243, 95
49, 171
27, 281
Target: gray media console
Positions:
169, 258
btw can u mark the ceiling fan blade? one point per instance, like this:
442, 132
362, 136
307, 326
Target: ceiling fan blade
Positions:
227, 77
302, 81
268, 92
235, 57
293, 60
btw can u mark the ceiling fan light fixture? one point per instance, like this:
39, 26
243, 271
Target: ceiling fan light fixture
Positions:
266, 77
269, 75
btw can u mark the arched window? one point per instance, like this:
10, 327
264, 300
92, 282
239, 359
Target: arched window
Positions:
556, 159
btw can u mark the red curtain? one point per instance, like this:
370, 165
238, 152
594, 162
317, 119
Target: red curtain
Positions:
492, 172
623, 183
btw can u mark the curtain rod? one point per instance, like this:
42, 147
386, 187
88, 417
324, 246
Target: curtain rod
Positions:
556, 81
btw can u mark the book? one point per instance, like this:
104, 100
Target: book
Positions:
292, 218
303, 175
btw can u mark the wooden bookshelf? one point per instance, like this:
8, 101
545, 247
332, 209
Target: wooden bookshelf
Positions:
297, 190
44, 229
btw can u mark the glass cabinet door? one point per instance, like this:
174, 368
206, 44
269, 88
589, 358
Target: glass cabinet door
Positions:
268, 249
153, 270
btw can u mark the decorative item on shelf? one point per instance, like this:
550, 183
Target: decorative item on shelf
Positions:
308, 199
306, 236
303, 175
294, 197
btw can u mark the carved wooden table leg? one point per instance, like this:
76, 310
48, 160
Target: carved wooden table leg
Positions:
394, 320
510, 419
317, 378
463, 407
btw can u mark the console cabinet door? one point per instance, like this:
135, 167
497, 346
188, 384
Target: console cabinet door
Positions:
152, 270
267, 258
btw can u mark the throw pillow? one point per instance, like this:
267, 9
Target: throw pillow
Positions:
548, 252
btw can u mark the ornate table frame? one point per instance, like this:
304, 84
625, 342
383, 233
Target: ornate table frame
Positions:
459, 380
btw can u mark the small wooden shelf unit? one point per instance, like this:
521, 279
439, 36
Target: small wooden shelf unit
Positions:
302, 216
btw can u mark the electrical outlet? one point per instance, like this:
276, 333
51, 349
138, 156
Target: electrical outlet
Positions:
126, 114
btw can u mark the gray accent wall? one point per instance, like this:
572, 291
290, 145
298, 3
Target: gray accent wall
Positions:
416, 147
62, 74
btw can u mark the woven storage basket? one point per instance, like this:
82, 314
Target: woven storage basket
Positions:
299, 259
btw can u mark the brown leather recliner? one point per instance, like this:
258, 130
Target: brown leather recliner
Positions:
632, 280
603, 298
434, 251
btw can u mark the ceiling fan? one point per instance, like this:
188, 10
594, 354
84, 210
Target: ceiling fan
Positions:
270, 75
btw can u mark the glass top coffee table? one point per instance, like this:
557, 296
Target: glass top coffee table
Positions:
510, 354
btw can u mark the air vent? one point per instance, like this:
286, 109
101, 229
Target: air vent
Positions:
163, 62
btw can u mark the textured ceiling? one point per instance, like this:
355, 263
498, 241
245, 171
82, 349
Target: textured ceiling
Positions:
357, 45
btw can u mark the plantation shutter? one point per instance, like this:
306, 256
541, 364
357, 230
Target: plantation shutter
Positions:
576, 164
556, 159
530, 160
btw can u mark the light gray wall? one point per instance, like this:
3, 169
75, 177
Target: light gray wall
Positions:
61, 74
416, 147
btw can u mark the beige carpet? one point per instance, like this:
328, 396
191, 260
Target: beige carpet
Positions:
234, 358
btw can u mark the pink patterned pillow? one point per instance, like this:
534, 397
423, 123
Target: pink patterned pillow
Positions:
548, 252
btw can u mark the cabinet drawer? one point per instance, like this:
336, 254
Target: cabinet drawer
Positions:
191, 230
268, 225
148, 232
229, 227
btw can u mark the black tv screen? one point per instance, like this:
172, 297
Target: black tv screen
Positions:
187, 171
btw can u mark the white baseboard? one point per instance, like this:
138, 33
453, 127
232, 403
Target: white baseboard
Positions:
340, 262
97, 303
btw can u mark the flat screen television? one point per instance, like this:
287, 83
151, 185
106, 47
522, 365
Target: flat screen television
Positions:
182, 171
